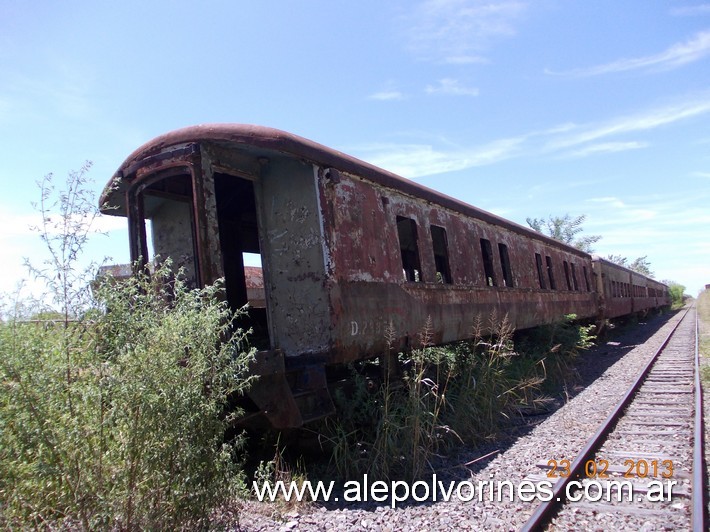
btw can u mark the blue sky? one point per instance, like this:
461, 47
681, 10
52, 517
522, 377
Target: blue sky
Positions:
522, 108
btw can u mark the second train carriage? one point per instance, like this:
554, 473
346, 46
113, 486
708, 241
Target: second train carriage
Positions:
623, 292
347, 250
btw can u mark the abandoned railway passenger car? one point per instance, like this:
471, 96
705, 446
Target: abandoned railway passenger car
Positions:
347, 250
624, 292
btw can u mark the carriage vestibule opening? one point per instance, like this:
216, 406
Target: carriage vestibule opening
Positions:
168, 226
239, 244
167, 230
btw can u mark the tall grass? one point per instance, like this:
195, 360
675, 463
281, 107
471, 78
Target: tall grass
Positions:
460, 393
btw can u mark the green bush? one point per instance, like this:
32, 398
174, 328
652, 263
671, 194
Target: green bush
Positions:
676, 292
117, 419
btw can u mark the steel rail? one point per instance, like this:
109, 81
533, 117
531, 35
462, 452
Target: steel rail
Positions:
699, 478
547, 509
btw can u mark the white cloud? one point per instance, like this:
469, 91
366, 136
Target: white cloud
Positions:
648, 120
411, 160
664, 227
452, 87
607, 147
390, 92
628, 219
417, 160
701, 174
387, 95
456, 31
566, 140
466, 60
610, 201
675, 56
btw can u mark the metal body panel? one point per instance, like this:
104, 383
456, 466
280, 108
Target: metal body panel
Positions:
626, 292
369, 294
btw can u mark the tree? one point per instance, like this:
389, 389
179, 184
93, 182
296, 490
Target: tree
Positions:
676, 291
618, 259
565, 229
640, 265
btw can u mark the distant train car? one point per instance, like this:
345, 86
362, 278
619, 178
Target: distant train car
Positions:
347, 252
624, 292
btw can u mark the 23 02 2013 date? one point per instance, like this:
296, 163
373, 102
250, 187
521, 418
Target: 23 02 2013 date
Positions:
599, 468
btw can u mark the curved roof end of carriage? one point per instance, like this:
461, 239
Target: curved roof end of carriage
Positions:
275, 140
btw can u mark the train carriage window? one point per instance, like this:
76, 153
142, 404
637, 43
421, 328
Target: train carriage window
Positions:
540, 276
407, 232
574, 276
505, 265
487, 252
586, 278
550, 272
565, 264
441, 254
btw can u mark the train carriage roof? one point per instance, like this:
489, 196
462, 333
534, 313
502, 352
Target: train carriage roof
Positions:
265, 140
614, 265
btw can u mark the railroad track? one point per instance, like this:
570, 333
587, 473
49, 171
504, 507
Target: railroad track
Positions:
646, 461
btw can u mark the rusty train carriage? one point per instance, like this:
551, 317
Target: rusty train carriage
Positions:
623, 291
347, 250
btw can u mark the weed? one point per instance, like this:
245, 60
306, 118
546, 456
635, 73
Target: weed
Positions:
279, 470
462, 392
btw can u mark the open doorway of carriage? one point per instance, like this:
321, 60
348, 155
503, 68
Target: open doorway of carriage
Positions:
239, 242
